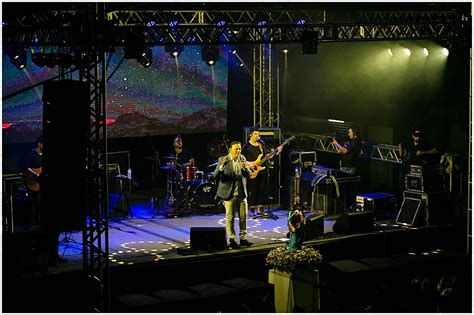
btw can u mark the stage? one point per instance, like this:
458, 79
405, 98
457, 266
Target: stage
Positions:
150, 252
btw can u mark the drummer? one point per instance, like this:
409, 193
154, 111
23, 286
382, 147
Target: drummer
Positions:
183, 158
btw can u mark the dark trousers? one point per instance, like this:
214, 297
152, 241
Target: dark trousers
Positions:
35, 197
257, 189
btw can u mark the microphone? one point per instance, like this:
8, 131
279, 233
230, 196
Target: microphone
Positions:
260, 140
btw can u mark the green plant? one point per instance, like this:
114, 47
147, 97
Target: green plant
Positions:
282, 259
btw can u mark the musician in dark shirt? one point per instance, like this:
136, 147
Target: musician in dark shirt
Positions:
254, 150
350, 151
183, 159
31, 176
416, 151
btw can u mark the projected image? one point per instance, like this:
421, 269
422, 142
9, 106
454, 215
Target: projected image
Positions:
173, 95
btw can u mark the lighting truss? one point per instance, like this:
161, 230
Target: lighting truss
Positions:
381, 152
197, 27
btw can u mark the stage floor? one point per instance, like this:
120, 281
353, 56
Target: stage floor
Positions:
149, 235
146, 237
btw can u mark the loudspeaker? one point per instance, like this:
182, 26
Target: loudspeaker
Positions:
314, 227
66, 129
410, 211
208, 238
354, 222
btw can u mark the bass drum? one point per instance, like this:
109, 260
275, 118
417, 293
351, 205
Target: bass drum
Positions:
201, 193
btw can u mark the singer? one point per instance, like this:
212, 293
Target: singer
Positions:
232, 173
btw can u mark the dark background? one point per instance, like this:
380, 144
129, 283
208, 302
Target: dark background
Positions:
355, 82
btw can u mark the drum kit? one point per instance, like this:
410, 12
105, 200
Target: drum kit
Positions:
187, 188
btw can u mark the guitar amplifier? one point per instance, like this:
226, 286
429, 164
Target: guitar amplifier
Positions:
424, 183
379, 203
305, 159
427, 170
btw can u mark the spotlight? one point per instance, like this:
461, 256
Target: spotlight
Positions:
147, 58
174, 51
285, 50
300, 22
390, 52
18, 59
210, 54
173, 23
425, 51
445, 52
309, 41
407, 52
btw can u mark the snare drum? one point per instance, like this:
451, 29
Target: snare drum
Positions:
190, 172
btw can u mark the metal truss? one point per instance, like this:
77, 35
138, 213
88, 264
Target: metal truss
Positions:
265, 88
194, 27
92, 69
381, 152
95, 234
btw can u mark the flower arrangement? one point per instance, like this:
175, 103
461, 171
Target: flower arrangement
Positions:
282, 259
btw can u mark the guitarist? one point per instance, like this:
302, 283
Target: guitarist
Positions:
31, 176
254, 150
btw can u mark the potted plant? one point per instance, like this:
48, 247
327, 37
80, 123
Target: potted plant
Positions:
293, 269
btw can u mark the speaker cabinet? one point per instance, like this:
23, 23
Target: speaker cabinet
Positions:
208, 238
410, 211
354, 222
66, 128
314, 226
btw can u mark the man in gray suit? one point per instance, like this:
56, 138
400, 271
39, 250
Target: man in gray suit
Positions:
232, 172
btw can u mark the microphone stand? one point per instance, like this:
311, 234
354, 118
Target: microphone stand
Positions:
155, 165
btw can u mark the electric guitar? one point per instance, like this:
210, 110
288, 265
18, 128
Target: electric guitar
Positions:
31, 178
259, 161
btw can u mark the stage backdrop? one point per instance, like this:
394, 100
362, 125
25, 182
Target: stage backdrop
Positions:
169, 97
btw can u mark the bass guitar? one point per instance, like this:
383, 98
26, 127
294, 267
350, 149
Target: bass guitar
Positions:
260, 159
31, 178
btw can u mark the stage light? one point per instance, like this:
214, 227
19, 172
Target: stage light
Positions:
407, 52
173, 23
150, 23
174, 51
18, 59
309, 41
210, 54
285, 50
445, 52
261, 23
147, 58
426, 52
300, 22
390, 52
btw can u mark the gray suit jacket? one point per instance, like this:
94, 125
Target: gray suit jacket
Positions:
227, 178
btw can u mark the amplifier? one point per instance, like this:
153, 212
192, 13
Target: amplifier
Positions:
304, 158
419, 208
424, 183
435, 169
379, 203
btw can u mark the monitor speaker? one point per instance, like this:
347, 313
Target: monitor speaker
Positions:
410, 211
314, 227
208, 238
354, 222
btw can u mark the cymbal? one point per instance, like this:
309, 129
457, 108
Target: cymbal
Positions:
170, 157
153, 158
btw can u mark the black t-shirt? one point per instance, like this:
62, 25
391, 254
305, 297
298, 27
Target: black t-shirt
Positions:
350, 158
34, 160
410, 148
252, 152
